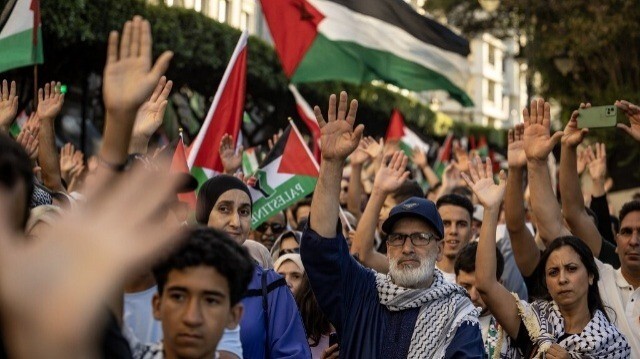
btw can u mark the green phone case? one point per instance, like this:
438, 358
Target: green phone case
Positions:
599, 116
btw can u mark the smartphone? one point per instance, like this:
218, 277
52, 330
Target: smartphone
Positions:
599, 116
333, 338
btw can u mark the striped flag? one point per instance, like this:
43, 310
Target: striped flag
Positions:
444, 156
224, 117
309, 119
407, 139
21, 35
359, 41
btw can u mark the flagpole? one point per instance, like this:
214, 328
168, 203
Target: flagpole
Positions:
315, 163
35, 87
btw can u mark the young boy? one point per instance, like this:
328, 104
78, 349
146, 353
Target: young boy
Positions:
199, 293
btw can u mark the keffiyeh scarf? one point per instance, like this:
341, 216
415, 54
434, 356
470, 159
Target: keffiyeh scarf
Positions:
545, 325
443, 307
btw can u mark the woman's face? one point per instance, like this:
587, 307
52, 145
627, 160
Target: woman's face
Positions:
232, 214
567, 277
292, 275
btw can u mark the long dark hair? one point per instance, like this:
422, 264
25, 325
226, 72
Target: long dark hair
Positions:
594, 301
314, 320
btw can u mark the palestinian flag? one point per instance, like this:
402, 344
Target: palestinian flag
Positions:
21, 35
359, 41
444, 156
179, 165
483, 147
250, 161
224, 117
407, 139
286, 175
309, 119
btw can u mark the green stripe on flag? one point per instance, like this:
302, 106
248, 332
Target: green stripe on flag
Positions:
199, 174
283, 196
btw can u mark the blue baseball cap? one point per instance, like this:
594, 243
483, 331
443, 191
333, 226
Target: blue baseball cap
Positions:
418, 208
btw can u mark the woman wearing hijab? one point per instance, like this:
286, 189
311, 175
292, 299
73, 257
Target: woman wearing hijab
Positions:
271, 326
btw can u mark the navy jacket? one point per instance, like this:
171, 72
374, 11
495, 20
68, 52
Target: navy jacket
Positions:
347, 294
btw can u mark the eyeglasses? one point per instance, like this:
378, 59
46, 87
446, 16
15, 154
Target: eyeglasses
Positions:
275, 227
417, 239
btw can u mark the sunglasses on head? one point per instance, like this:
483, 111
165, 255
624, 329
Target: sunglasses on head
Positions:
275, 227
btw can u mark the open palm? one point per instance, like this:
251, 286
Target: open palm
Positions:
393, 174
151, 113
231, 159
538, 142
481, 182
8, 103
129, 77
338, 137
50, 101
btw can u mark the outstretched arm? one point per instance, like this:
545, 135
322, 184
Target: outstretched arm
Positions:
538, 143
500, 302
49, 105
339, 139
420, 159
572, 201
525, 251
388, 179
149, 117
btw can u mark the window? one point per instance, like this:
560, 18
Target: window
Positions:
224, 11
491, 91
245, 19
198, 5
492, 55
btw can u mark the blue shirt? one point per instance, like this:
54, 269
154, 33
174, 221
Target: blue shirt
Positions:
287, 337
347, 294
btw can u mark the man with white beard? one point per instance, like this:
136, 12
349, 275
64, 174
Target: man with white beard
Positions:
410, 313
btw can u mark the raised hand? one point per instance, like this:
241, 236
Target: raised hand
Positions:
231, 159
66, 161
129, 76
572, 135
339, 138
462, 157
450, 177
582, 160
392, 175
633, 114
481, 183
81, 260
29, 140
8, 104
597, 162
361, 155
50, 101
151, 113
419, 157
538, 142
274, 139
516, 158
375, 149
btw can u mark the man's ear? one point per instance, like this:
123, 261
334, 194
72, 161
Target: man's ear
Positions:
440, 250
236, 314
155, 303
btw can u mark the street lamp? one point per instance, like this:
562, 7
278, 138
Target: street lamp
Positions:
489, 5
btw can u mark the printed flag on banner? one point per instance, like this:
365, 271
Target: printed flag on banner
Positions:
407, 139
224, 116
21, 36
444, 155
309, 119
249, 161
361, 41
179, 165
287, 174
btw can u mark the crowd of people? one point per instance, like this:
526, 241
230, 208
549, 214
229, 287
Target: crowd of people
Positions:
99, 258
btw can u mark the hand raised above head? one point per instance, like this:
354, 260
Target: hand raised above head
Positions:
50, 101
538, 142
572, 135
8, 104
516, 158
339, 137
392, 174
481, 183
129, 77
633, 114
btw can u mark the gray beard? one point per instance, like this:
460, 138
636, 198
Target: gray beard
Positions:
412, 277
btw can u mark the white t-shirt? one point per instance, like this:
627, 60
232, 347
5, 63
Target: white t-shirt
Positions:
449, 277
619, 295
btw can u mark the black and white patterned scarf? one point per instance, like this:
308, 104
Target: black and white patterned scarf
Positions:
545, 325
443, 307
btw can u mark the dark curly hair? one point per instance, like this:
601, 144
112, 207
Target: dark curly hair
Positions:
456, 200
212, 248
